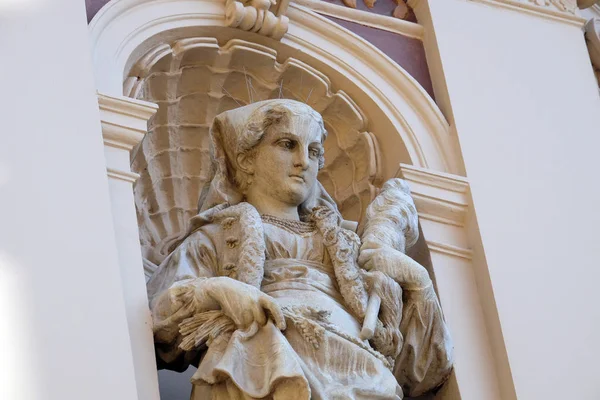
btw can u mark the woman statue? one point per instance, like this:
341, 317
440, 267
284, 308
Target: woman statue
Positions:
267, 293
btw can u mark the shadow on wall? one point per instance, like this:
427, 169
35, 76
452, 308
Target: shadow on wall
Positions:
175, 385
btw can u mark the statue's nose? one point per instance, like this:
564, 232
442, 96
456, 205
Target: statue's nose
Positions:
302, 159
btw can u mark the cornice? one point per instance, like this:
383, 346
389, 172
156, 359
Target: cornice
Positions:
124, 120
378, 21
130, 177
439, 196
127, 106
557, 10
450, 250
441, 199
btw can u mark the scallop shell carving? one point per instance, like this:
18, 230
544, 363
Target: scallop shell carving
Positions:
192, 80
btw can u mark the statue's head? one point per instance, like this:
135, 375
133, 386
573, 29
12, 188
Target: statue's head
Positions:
272, 148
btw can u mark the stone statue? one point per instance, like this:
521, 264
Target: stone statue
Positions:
268, 291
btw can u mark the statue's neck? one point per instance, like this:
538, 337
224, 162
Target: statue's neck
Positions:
269, 206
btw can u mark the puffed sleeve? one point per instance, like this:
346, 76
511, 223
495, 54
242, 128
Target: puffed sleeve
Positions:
425, 361
191, 262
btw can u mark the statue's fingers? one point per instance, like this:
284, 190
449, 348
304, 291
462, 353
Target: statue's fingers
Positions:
365, 258
247, 318
368, 279
375, 281
275, 311
182, 313
259, 315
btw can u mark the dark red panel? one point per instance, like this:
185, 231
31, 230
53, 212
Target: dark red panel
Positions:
409, 53
92, 7
383, 7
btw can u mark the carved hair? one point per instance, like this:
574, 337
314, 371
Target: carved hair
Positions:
260, 121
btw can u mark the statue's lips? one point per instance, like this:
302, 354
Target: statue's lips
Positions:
299, 178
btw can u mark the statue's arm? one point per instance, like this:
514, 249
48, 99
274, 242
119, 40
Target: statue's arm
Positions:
391, 226
425, 358
173, 292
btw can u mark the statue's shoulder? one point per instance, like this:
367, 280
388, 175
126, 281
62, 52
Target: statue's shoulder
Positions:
237, 235
224, 218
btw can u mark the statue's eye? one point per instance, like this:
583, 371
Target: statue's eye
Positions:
287, 144
314, 152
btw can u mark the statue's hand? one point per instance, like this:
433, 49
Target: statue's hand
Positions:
398, 266
243, 303
387, 338
390, 294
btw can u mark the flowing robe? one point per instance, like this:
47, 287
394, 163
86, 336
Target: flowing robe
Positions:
319, 355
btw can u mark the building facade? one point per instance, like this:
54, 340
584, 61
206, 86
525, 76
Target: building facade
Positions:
489, 109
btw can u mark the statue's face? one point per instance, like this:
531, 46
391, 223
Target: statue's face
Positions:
286, 161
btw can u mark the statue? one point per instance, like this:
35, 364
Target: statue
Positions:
268, 292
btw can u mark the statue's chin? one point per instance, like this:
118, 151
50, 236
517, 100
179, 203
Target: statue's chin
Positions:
296, 195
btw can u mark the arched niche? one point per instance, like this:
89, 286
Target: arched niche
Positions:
377, 113
194, 79
407, 123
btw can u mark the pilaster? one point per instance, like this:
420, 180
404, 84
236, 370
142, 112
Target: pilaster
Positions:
63, 333
443, 203
513, 77
124, 124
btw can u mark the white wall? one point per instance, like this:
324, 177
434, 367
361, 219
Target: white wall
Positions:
527, 113
63, 332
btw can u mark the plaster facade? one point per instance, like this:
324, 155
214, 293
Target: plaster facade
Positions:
489, 150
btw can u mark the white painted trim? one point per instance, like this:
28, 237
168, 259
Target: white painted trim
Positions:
450, 250
439, 197
124, 120
378, 21
441, 180
130, 177
127, 106
532, 9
